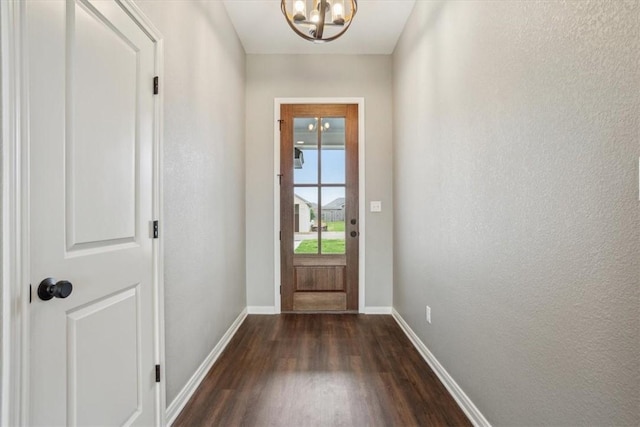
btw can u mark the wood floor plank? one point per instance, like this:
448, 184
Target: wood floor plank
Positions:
321, 370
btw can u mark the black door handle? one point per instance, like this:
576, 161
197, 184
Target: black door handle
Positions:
49, 288
354, 234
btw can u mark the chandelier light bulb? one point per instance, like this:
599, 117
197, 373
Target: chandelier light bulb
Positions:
315, 16
299, 10
337, 12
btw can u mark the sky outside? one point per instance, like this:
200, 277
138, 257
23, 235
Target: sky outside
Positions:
333, 172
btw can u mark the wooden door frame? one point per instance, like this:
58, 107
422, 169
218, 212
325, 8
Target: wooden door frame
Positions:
15, 193
361, 190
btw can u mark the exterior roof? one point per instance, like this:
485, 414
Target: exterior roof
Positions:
337, 204
302, 199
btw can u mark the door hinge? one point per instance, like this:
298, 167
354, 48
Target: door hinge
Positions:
280, 124
156, 228
30, 292
280, 289
157, 373
280, 238
156, 85
280, 179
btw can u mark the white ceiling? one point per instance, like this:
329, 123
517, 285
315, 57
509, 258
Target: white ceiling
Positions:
263, 29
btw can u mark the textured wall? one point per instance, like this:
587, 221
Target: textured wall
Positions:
276, 76
516, 132
203, 86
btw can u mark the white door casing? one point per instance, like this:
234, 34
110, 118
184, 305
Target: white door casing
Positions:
92, 123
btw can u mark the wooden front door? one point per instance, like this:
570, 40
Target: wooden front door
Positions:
319, 194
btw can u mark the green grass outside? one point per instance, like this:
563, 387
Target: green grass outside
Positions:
335, 226
331, 246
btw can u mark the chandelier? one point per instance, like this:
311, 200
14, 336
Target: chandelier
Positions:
326, 21
313, 126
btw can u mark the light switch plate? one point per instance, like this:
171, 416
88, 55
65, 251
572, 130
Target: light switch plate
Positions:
376, 206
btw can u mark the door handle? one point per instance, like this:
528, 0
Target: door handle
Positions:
354, 234
50, 288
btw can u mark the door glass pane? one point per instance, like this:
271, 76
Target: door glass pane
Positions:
333, 151
333, 220
305, 151
305, 210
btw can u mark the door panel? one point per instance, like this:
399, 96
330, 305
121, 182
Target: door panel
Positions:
317, 278
91, 181
94, 343
319, 301
100, 153
319, 207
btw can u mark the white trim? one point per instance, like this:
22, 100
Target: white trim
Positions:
276, 207
472, 412
192, 385
377, 310
361, 190
261, 309
15, 209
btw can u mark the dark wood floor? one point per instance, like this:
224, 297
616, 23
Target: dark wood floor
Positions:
321, 370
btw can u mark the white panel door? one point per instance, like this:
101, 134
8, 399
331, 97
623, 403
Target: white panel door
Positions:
91, 205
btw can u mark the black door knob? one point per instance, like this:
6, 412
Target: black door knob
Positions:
49, 288
354, 234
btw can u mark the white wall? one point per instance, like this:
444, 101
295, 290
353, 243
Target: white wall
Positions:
203, 87
274, 76
516, 130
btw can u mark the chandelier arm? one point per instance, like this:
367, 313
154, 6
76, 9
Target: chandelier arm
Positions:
328, 39
352, 12
283, 8
320, 26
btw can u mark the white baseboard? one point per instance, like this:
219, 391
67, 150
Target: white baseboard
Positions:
185, 394
377, 310
261, 309
472, 412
